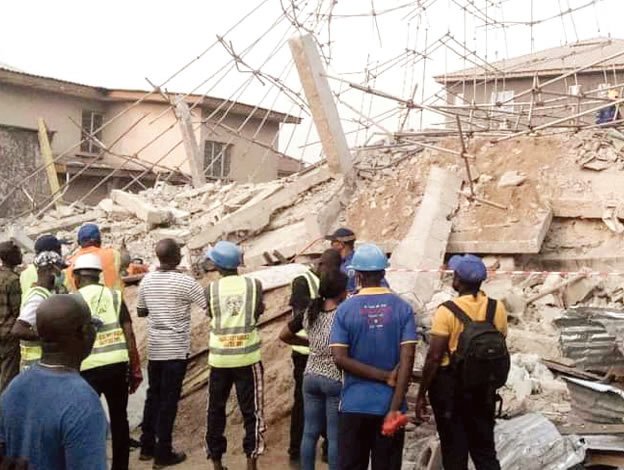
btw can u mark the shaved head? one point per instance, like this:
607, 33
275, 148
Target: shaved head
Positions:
64, 326
168, 252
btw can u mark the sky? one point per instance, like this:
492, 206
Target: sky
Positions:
130, 44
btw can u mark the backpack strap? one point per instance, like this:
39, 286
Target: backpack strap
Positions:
458, 312
490, 313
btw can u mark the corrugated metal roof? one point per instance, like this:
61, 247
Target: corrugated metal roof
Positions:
596, 402
547, 62
592, 337
532, 442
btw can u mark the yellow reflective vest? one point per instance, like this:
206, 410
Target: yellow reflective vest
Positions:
234, 338
28, 277
313, 285
30, 351
110, 343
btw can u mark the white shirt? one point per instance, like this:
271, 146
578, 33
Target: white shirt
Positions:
28, 311
167, 296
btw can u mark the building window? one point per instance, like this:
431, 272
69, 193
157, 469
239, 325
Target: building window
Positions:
502, 97
575, 90
216, 159
91, 122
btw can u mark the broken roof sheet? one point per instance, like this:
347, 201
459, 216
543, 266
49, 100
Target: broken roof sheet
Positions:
547, 62
592, 337
596, 402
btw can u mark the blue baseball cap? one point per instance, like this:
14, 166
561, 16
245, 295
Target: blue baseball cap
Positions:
89, 232
47, 242
469, 268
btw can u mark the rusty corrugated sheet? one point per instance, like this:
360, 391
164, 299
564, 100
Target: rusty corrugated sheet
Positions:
592, 337
532, 442
596, 402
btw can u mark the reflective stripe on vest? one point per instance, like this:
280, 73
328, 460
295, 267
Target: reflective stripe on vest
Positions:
234, 338
111, 265
110, 342
313, 286
30, 351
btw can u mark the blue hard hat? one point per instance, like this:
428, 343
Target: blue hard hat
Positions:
469, 268
89, 232
369, 257
225, 255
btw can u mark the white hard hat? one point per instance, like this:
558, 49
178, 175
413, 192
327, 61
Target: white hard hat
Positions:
88, 261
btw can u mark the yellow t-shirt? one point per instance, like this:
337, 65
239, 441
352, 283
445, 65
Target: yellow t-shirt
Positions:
446, 324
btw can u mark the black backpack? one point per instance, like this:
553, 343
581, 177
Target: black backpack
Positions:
481, 359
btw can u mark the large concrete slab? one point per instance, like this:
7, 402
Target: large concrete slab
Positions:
278, 276
288, 240
254, 218
143, 210
425, 244
512, 238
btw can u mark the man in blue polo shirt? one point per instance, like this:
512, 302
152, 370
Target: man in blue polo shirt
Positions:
373, 341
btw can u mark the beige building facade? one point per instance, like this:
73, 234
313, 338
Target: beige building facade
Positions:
496, 95
141, 139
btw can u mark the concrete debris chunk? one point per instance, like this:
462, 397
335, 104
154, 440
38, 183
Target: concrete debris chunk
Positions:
140, 208
511, 178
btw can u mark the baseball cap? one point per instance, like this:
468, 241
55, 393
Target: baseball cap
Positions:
49, 258
47, 242
468, 268
341, 235
89, 232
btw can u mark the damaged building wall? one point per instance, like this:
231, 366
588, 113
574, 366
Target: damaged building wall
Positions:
22, 106
19, 157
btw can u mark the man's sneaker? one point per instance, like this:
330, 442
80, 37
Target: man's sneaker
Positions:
174, 458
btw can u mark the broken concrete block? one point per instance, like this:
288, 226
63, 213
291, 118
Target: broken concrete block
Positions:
254, 218
53, 226
179, 216
579, 291
19, 237
143, 210
491, 262
511, 178
498, 287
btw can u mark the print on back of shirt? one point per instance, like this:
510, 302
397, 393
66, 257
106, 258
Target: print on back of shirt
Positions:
377, 315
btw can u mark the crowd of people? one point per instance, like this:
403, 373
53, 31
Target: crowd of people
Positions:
66, 338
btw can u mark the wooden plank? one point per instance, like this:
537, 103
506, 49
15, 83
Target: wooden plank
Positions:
609, 459
590, 428
571, 371
48, 161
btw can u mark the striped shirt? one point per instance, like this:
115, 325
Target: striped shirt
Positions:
167, 296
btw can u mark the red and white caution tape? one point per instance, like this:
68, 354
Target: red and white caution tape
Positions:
495, 272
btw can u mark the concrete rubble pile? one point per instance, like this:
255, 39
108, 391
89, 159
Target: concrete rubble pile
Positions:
553, 203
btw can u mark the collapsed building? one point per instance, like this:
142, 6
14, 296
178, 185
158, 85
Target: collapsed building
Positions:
539, 199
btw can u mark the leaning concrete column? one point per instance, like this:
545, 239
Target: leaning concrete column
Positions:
322, 105
424, 245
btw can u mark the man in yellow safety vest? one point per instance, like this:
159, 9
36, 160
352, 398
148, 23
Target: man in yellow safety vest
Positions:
234, 305
49, 266
106, 368
28, 277
303, 289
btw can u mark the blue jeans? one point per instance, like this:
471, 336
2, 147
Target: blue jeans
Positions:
321, 396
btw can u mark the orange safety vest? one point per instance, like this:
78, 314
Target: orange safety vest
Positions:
111, 262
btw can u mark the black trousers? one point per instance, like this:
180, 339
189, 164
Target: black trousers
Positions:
465, 423
249, 384
9, 361
161, 405
296, 416
112, 382
360, 441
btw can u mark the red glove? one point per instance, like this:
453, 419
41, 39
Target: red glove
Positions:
394, 421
